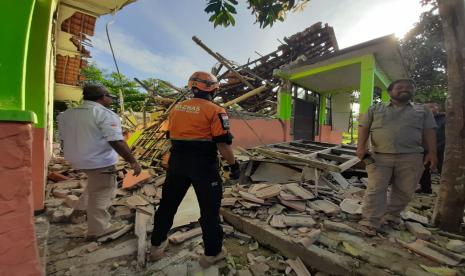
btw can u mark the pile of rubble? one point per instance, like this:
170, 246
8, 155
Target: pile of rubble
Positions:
303, 204
313, 214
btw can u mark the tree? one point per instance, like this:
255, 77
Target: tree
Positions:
449, 209
423, 47
266, 12
133, 98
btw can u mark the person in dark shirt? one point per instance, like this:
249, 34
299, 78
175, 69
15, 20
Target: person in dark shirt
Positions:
425, 181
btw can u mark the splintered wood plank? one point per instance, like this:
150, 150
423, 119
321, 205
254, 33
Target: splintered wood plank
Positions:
422, 249
313, 256
140, 230
251, 197
268, 192
299, 191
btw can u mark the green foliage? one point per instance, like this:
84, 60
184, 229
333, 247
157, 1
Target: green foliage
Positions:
133, 98
266, 12
424, 49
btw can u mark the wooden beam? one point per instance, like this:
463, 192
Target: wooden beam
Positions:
222, 61
247, 95
313, 256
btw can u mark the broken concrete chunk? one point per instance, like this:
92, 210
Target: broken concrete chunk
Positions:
338, 226
456, 246
122, 212
340, 179
351, 206
149, 190
61, 215
268, 192
418, 230
251, 197
409, 215
310, 238
299, 267
243, 272
136, 200
277, 221
298, 220
324, 206
276, 209
289, 196
60, 193
71, 201
299, 191
248, 205
296, 205
259, 269
228, 201
255, 187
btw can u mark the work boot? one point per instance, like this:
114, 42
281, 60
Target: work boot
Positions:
78, 216
207, 261
157, 252
114, 227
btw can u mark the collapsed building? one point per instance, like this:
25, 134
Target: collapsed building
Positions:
300, 191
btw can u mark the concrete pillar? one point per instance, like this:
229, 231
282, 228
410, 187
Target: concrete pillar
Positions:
367, 80
18, 254
285, 108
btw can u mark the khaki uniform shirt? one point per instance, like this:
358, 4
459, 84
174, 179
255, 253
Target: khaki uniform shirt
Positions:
397, 129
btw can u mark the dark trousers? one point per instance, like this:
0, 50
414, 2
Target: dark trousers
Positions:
425, 181
202, 173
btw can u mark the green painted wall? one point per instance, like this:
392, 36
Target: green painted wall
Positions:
38, 78
285, 105
38, 92
16, 17
367, 81
322, 113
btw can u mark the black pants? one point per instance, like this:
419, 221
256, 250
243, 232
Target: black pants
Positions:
202, 173
425, 181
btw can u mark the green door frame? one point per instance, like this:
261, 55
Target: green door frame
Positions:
369, 72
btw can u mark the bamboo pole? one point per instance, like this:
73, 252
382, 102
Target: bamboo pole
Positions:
222, 61
247, 95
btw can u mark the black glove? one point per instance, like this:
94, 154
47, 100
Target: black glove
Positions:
234, 171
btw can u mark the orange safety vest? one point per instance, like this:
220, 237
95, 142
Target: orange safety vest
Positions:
198, 120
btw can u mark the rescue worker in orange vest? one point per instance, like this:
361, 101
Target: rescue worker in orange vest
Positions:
198, 129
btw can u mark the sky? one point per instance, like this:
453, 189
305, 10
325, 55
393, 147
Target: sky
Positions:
152, 38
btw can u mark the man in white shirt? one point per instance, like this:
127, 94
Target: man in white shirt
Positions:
91, 140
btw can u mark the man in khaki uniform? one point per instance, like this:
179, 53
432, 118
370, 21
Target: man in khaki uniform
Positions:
400, 131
